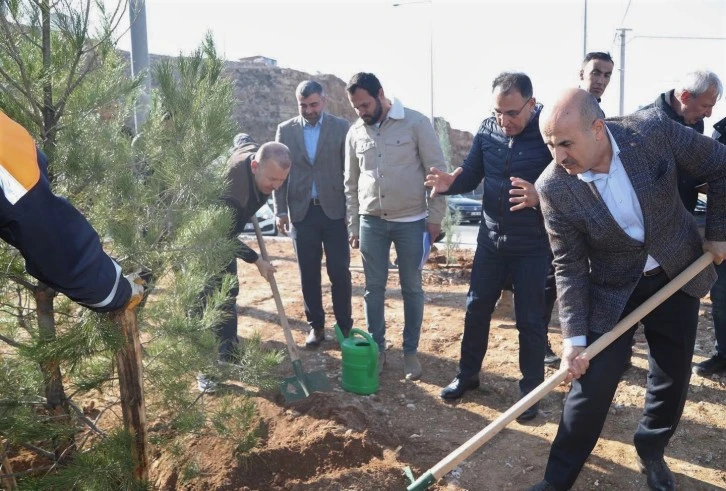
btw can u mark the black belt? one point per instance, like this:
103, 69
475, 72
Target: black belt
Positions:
653, 272
315, 202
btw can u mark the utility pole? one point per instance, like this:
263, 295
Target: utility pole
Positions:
431, 65
431, 49
140, 59
622, 30
584, 33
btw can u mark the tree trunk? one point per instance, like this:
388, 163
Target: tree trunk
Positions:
49, 129
131, 376
55, 394
7, 483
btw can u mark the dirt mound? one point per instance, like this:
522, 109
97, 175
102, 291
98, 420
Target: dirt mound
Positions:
322, 442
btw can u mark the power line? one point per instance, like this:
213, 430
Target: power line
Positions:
626, 12
681, 37
622, 22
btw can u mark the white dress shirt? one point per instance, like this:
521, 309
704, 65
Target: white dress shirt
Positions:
619, 196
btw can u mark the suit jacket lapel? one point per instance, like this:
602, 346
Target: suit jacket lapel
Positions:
641, 180
299, 138
592, 200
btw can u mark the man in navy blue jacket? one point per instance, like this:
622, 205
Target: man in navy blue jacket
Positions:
59, 246
509, 154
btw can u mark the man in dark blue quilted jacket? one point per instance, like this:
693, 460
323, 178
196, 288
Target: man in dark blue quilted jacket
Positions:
509, 154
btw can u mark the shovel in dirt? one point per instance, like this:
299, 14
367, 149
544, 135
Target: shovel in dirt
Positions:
469, 447
302, 384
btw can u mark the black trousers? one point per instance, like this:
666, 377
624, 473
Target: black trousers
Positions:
488, 274
670, 330
310, 236
550, 294
226, 330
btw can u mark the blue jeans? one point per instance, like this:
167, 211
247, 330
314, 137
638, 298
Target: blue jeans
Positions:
488, 275
718, 309
376, 236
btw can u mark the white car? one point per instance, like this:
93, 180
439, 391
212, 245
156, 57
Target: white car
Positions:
266, 218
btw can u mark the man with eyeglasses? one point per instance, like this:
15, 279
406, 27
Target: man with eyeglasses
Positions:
509, 154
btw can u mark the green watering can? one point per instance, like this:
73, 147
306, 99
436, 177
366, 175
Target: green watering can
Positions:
360, 361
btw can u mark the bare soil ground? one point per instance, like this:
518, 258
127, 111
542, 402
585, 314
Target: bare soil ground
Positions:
342, 441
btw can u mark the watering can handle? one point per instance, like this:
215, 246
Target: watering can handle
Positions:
373, 347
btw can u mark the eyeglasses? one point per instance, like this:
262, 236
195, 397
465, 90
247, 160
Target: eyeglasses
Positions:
510, 114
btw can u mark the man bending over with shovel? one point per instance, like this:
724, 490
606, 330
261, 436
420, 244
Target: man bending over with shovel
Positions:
619, 232
253, 173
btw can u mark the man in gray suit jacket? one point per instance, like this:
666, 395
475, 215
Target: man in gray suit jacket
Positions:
310, 206
619, 232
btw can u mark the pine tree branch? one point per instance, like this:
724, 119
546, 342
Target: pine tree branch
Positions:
11, 342
25, 92
28, 471
22, 281
39, 402
48, 455
87, 421
20, 28
26, 88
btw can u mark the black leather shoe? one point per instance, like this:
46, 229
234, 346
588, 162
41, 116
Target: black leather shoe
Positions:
542, 486
660, 477
550, 357
715, 364
315, 337
529, 414
458, 386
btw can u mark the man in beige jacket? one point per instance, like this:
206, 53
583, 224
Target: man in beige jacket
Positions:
388, 153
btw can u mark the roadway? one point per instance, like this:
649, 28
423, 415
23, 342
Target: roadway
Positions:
465, 235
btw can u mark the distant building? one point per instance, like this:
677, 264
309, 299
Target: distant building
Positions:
263, 60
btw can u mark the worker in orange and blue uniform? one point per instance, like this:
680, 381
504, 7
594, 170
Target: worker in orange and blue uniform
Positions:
59, 246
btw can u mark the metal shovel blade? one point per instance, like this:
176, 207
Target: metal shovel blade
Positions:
302, 384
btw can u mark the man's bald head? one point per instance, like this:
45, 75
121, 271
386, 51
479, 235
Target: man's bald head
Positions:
274, 152
572, 103
271, 166
574, 131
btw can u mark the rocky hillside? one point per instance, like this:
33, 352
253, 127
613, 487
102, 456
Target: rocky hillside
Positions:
266, 96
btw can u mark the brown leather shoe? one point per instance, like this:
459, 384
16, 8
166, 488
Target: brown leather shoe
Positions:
315, 337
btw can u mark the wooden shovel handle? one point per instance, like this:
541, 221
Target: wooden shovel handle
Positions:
291, 348
471, 445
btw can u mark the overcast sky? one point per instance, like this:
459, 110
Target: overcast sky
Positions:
472, 43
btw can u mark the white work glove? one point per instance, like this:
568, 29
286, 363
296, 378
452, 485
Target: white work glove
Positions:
137, 290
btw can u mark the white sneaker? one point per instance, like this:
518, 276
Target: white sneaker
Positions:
205, 384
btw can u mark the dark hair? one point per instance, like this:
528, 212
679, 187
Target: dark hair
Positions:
590, 110
365, 81
507, 81
597, 55
307, 88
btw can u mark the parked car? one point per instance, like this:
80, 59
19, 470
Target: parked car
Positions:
700, 212
469, 208
266, 218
